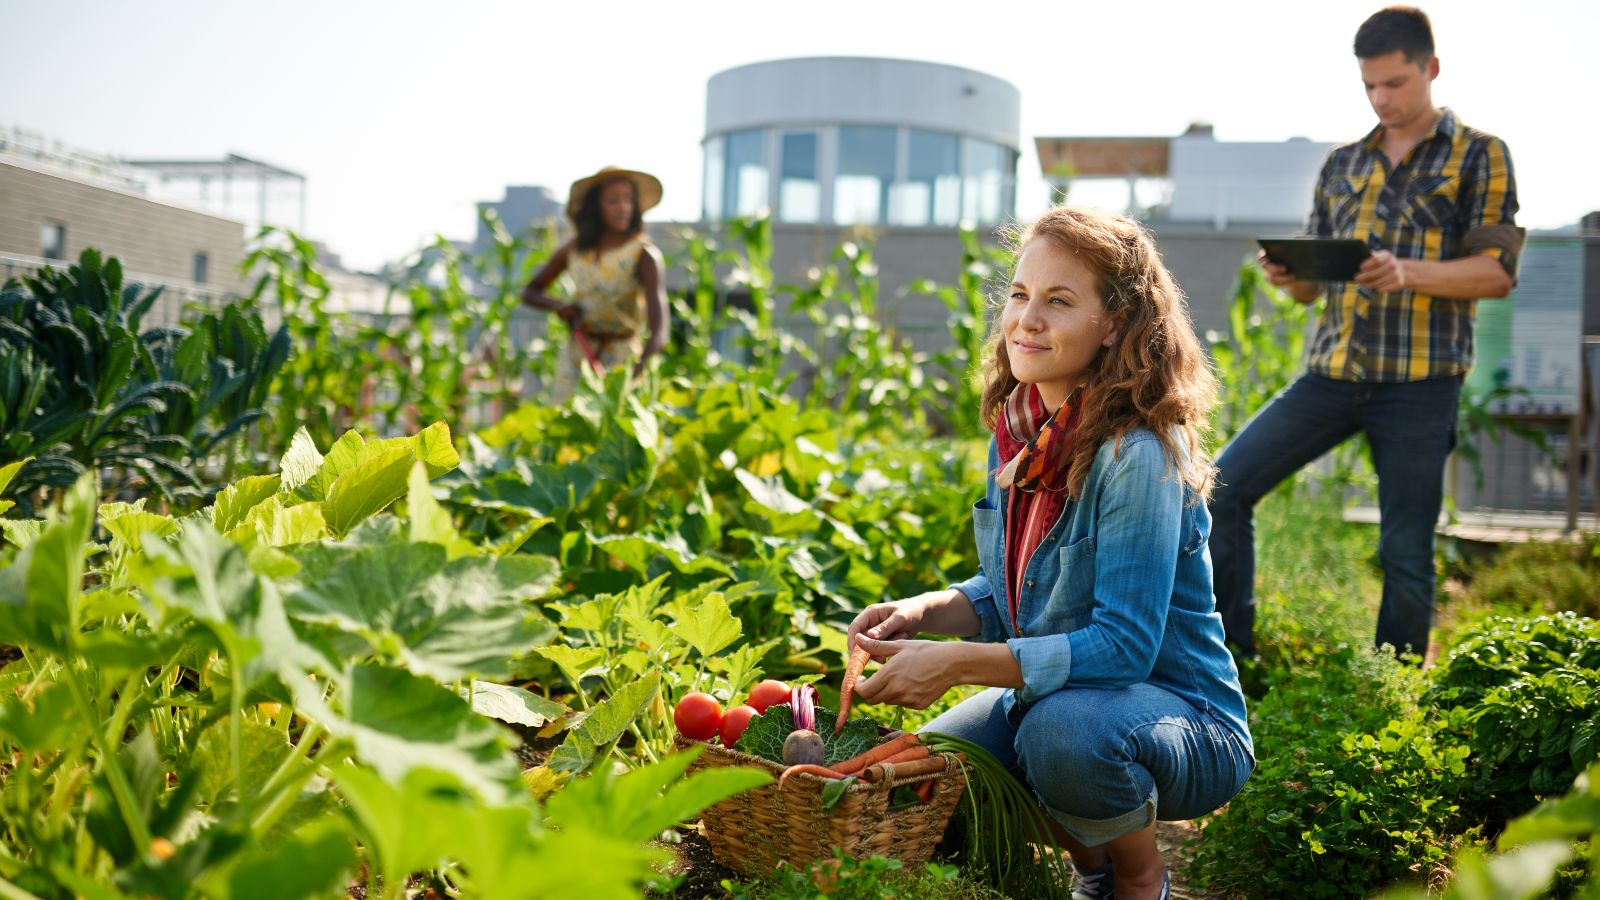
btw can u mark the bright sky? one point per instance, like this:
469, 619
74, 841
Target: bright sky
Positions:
403, 114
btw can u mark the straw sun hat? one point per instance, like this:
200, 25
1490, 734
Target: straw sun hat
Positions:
646, 186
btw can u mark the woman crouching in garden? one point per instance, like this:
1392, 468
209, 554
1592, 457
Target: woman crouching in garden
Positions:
1092, 618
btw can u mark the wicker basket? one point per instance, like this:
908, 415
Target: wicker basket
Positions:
754, 831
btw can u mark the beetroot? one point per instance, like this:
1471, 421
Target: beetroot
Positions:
803, 747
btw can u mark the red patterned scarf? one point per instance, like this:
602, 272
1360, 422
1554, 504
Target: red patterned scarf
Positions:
1034, 454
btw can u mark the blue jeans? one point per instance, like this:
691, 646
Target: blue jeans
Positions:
1410, 427
1106, 763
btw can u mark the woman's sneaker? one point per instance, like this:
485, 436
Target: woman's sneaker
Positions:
1092, 884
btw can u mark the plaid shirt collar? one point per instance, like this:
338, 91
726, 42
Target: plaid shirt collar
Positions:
1445, 125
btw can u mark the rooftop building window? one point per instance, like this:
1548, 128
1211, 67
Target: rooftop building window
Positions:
799, 187
53, 241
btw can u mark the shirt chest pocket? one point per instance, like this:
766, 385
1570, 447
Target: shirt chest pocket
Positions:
1072, 599
1430, 203
1344, 203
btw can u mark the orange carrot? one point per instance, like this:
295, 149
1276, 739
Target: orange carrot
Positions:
852, 673
877, 754
807, 769
907, 755
924, 791
930, 766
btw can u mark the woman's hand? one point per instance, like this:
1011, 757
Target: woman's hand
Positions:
915, 675
896, 621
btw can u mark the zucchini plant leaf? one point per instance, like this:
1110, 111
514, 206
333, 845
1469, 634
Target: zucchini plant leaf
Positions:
401, 723
648, 800
509, 703
237, 499
604, 724
440, 618
39, 591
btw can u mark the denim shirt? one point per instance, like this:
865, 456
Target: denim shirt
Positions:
1119, 591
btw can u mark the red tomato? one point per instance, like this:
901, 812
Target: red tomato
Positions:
767, 693
697, 715
735, 722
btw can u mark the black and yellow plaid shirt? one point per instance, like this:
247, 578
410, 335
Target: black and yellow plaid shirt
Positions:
1452, 196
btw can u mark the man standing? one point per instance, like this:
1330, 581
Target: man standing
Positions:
1435, 202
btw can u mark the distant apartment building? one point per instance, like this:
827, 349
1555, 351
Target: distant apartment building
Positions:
182, 224
55, 201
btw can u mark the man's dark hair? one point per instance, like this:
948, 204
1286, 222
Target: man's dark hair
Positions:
590, 224
1403, 28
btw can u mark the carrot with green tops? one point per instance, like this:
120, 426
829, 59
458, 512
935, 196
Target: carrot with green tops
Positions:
852, 673
807, 769
876, 755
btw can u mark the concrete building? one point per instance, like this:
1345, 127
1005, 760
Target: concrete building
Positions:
182, 224
55, 201
836, 147
523, 207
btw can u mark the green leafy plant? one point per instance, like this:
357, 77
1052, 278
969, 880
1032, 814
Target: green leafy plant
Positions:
1525, 686
203, 714
1346, 797
1537, 577
765, 735
1532, 853
83, 388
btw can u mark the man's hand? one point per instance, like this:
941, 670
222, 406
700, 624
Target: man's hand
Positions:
1383, 271
915, 675
570, 313
1279, 275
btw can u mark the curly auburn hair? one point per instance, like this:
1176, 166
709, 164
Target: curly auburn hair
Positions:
1155, 376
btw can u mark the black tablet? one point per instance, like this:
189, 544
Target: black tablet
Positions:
1315, 258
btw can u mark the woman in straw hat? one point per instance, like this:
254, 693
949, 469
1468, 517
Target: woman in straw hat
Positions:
615, 277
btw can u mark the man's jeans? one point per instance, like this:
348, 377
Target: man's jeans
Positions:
1410, 427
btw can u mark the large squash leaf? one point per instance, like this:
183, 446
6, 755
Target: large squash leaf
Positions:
446, 619
401, 723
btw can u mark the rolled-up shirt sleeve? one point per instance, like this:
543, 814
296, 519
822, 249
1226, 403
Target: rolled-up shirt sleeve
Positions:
1138, 536
1489, 209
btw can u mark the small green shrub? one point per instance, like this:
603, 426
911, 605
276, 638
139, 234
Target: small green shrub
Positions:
1549, 852
1348, 794
1528, 688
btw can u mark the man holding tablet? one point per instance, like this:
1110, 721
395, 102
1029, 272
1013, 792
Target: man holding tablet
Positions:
1434, 203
